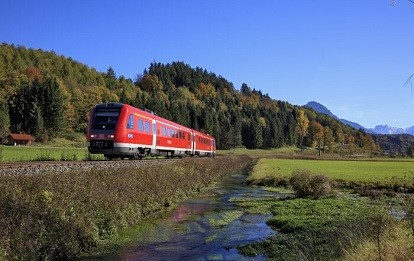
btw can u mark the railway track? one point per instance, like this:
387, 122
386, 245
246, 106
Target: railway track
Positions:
25, 168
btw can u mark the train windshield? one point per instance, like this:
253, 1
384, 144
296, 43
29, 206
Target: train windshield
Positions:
105, 118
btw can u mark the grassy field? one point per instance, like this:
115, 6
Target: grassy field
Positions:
37, 153
387, 173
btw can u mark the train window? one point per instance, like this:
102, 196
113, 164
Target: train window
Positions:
141, 125
105, 118
147, 127
130, 124
154, 128
164, 131
169, 132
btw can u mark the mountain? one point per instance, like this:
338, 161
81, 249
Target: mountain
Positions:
379, 129
322, 109
385, 129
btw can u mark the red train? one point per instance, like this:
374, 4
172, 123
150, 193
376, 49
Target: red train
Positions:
119, 130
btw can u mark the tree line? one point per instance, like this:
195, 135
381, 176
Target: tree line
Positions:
45, 94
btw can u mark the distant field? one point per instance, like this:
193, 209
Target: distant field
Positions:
258, 152
34, 153
366, 172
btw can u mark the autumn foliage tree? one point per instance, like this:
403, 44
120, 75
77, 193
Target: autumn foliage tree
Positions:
317, 135
302, 126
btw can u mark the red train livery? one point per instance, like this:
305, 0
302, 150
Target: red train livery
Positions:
119, 130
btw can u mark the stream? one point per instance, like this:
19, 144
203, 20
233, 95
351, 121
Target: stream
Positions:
208, 227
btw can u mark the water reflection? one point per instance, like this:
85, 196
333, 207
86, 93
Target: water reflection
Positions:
190, 234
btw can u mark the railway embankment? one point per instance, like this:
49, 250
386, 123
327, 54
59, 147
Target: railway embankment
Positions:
39, 167
64, 213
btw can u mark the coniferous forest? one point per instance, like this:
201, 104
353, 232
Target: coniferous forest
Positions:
46, 95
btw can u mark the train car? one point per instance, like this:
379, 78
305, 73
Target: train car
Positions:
119, 130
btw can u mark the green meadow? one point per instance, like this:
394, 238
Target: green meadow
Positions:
36, 153
386, 173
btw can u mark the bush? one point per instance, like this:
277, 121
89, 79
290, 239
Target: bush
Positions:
306, 185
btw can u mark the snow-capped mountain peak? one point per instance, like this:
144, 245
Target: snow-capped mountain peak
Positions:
379, 129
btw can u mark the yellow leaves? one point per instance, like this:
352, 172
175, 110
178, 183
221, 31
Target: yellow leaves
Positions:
303, 123
262, 122
206, 90
151, 82
252, 100
317, 131
188, 97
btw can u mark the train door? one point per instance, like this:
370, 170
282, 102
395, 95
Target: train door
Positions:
193, 145
154, 137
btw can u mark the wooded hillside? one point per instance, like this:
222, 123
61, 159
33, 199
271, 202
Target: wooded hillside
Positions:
45, 94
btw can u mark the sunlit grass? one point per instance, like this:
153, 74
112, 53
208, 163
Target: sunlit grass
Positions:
34, 153
387, 173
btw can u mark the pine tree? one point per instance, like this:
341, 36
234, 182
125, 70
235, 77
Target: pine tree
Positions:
36, 122
110, 78
51, 101
4, 120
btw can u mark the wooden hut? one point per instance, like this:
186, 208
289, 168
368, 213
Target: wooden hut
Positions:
20, 139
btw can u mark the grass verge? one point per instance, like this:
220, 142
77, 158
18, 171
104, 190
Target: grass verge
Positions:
35, 153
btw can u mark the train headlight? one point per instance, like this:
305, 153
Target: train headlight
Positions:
93, 136
111, 136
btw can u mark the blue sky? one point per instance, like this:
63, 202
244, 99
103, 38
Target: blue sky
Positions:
353, 56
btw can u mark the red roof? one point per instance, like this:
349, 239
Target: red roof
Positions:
17, 136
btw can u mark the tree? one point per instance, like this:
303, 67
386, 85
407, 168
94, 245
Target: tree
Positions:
317, 135
51, 101
33, 74
252, 134
150, 83
302, 126
328, 139
369, 144
245, 89
4, 120
110, 79
36, 122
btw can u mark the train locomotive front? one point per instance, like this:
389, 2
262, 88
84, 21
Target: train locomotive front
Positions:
105, 131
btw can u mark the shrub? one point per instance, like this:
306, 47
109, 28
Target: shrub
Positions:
306, 185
